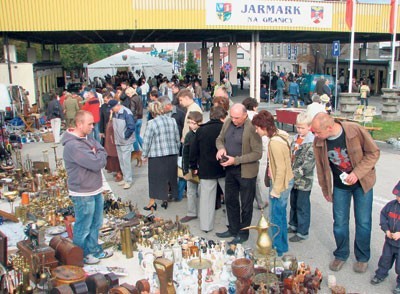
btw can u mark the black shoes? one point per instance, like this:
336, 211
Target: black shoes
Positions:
164, 204
226, 234
238, 240
154, 206
291, 231
376, 280
295, 238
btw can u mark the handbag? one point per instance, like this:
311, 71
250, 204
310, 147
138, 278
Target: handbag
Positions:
267, 178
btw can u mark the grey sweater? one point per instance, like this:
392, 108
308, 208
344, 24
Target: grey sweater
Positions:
83, 158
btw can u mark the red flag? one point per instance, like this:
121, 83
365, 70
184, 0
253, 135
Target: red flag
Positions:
349, 13
392, 10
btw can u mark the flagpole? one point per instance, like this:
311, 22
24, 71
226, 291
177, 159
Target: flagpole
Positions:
353, 24
393, 44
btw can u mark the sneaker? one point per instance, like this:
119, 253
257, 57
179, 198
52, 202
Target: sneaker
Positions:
336, 265
105, 254
187, 219
376, 280
90, 259
360, 267
295, 238
127, 186
121, 183
291, 231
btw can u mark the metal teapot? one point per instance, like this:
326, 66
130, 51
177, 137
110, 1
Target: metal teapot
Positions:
264, 241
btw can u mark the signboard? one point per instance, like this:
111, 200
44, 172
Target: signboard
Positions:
336, 48
227, 67
266, 13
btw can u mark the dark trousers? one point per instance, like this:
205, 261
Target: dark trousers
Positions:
300, 212
239, 197
388, 257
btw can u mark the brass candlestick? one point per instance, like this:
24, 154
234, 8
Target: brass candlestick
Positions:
199, 264
11, 196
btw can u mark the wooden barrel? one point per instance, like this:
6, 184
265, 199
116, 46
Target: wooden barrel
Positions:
68, 274
143, 286
67, 252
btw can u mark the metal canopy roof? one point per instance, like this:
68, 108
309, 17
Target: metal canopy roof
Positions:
154, 36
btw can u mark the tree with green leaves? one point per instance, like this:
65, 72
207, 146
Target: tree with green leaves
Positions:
191, 65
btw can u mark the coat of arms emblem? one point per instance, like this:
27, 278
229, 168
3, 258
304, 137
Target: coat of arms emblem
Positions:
224, 11
317, 14
124, 57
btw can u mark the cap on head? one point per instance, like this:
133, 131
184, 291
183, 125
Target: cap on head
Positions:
324, 98
396, 190
112, 103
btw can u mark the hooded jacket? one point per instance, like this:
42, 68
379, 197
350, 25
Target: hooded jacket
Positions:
83, 164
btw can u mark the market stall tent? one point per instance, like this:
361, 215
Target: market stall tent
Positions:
130, 60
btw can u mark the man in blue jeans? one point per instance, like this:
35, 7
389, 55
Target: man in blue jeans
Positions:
347, 153
84, 158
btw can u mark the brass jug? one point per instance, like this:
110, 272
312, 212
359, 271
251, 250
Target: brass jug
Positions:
264, 241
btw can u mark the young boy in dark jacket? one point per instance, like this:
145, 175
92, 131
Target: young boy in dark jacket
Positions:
389, 222
194, 119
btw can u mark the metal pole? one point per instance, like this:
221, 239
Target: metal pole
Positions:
336, 81
269, 82
8, 59
393, 44
353, 24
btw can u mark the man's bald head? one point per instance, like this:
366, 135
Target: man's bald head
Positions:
238, 114
323, 125
323, 120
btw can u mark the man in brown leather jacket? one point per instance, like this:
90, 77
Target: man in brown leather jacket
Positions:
347, 153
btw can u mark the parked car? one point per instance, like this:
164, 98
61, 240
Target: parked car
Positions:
307, 86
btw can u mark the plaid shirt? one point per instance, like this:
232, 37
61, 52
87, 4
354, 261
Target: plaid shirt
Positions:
161, 137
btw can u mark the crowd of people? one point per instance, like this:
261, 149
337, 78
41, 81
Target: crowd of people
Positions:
238, 155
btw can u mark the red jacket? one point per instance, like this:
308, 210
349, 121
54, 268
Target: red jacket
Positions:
93, 106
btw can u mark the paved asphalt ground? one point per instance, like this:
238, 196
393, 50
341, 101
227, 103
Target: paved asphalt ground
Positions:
316, 251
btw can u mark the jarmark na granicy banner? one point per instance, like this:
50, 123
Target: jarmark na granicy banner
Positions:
266, 13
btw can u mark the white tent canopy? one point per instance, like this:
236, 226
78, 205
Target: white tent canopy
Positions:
132, 61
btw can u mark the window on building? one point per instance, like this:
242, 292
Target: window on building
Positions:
304, 49
278, 49
272, 49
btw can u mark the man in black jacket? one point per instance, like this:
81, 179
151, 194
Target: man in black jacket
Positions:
204, 163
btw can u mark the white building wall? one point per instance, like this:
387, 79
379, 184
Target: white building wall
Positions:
22, 75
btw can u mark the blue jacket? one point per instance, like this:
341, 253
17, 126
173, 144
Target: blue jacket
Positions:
294, 89
389, 220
